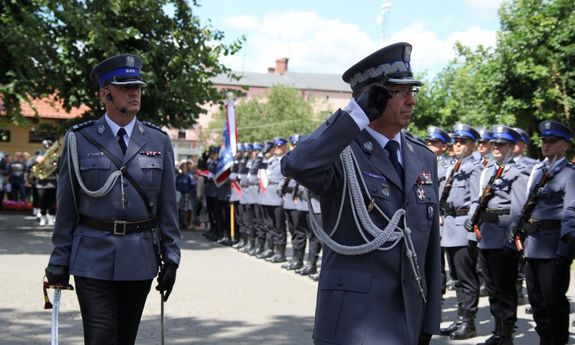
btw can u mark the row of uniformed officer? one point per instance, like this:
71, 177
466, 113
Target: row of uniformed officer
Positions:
550, 235
117, 218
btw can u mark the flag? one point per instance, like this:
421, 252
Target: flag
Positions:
228, 152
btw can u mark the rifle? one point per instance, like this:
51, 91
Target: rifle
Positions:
447, 187
284, 188
486, 195
529, 206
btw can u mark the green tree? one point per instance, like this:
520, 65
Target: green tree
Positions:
536, 53
49, 47
282, 113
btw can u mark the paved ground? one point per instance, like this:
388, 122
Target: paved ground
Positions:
221, 297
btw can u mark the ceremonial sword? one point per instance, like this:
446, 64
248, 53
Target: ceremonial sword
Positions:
55, 307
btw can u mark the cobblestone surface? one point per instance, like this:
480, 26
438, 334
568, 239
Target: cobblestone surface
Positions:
221, 297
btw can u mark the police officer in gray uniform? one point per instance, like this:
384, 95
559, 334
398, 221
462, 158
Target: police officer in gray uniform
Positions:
548, 259
462, 189
366, 170
438, 141
117, 214
249, 183
294, 217
484, 146
519, 151
273, 202
497, 259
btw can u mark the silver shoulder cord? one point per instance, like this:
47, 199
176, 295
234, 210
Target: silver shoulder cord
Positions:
73, 153
392, 232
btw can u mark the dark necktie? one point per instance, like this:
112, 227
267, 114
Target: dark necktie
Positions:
121, 140
392, 146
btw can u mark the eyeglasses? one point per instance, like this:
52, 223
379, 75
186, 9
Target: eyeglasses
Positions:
404, 93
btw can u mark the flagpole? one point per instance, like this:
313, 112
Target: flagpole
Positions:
232, 222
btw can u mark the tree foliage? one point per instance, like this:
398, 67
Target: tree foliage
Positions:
283, 113
48, 47
528, 77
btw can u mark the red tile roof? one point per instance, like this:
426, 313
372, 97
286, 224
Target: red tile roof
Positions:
48, 108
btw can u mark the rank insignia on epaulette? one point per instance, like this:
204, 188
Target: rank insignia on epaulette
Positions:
79, 126
151, 125
150, 153
424, 177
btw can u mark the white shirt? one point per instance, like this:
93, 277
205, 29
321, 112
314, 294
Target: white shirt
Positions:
115, 128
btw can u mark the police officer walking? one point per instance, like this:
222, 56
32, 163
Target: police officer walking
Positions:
117, 213
548, 258
374, 181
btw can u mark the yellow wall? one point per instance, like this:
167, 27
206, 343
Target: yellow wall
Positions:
19, 136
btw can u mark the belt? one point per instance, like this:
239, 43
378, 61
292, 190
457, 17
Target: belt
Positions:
457, 212
497, 211
545, 223
118, 227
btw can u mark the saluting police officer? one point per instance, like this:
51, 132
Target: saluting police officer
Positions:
548, 258
116, 200
498, 261
462, 188
370, 291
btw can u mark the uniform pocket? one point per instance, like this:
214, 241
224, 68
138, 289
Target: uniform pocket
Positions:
152, 169
342, 306
94, 171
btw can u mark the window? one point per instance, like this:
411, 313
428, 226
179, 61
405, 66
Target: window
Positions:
181, 134
4, 136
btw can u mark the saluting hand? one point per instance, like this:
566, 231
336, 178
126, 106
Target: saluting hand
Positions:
166, 279
373, 101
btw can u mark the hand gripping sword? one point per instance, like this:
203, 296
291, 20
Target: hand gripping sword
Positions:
56, 307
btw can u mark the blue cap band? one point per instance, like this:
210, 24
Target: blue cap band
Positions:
555, 133
505, 136
119, 73
467, 134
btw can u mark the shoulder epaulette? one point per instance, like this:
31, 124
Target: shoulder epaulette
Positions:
416, 140
79, 126
156, 127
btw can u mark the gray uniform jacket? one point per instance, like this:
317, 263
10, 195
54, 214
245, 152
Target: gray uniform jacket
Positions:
373, 298
508, 199
249, 183
235, 190
289, 203
464, 190
552, 203
270, 196
99, 254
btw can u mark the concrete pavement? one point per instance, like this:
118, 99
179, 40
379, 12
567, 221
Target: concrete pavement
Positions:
221, 297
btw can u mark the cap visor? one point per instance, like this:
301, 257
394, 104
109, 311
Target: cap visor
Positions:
128, 82
404, 81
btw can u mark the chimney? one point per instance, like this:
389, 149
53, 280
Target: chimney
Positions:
271, 70
281, 65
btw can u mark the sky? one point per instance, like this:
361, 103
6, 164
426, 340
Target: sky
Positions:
329, 36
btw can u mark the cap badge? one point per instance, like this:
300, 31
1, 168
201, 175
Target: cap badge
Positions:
130, 61
547, 125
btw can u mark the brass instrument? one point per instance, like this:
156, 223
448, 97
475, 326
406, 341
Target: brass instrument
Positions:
46, 165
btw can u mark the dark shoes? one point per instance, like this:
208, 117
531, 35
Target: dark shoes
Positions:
451, 328
465, 330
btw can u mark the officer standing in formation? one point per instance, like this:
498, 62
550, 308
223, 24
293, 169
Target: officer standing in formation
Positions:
117, 215
503, 182
439, 141
461, 189
380, 283
550, 235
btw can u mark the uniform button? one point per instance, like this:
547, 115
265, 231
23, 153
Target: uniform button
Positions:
328, 122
